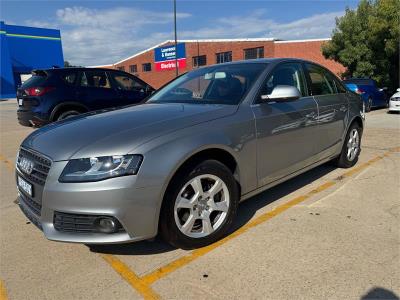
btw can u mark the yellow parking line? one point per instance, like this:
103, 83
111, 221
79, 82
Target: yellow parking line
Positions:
182, 261
9, 165
129, 276
3, 291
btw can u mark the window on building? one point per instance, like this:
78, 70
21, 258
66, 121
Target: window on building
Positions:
146, 67
223, 57
253, 53
199, 61
121, 68
133, 68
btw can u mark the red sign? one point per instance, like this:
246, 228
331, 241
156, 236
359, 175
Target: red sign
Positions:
170, 64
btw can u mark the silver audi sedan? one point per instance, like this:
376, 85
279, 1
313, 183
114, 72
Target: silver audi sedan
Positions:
180, 164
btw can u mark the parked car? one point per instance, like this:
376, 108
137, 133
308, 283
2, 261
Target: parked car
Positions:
60, 93
181, 163
394, 102
369, 91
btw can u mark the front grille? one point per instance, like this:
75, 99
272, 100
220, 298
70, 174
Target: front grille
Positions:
30, 216
77, 223
41, 165
35, 207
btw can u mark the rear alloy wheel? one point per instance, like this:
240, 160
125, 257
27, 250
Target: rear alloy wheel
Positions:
68, 114
351, 149
200, 209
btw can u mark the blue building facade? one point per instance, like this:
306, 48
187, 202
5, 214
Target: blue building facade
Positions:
24, 49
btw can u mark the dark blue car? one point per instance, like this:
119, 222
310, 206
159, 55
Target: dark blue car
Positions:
369, 92
57, 94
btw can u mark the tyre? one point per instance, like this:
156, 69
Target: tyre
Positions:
368, 107
351, 148
199, 205
67, 114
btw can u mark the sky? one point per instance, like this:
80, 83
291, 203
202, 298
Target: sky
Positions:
104, 32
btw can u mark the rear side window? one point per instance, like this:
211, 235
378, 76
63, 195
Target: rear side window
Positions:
322, 82
35, 80
127, 83
69, 78
96, 79
339, 86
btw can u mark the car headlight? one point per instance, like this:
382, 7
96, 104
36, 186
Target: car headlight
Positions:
100, 168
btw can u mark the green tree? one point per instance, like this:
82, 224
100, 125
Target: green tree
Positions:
366, 41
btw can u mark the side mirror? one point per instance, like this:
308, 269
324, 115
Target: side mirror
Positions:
282, 93
398, 90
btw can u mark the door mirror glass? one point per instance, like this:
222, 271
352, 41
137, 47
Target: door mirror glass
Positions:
282, 93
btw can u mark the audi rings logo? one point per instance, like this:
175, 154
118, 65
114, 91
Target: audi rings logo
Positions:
26, 165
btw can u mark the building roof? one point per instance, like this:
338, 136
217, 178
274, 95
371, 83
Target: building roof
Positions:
213, 41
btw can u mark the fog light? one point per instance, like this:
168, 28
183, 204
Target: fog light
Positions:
106, 224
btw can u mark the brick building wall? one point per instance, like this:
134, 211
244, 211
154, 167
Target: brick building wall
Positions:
308, 49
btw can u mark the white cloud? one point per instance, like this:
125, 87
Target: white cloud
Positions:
256, 25
103, 36
92, 36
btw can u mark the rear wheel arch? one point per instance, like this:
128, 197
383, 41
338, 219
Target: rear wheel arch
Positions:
66, 106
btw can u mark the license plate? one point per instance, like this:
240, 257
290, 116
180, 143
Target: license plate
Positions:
25, 186
20, 102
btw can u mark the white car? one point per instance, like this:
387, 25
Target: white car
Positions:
394, 102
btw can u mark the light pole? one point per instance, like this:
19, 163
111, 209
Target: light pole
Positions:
176, 42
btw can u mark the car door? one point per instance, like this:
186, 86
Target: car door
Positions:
130, 89
285, 130
333, 109
95, 91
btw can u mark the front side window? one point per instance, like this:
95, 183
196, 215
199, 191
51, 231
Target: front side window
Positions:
253, 53
96, 79
223, 57
226, 84
286, 74
127, 83
146, 67
322, 82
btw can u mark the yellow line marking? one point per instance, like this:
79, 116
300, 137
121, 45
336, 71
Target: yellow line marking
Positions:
10, 165
129, 276
182, 261
3, 291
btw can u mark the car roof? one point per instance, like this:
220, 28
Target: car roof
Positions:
266, 60
79, 69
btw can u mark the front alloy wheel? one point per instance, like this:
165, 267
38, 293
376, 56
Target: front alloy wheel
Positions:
199, 205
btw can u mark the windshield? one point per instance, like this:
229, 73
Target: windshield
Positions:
218, 84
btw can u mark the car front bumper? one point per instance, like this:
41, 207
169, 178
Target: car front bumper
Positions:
135, 208
394, 106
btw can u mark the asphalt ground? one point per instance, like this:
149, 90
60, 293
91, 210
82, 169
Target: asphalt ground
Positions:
326, 234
